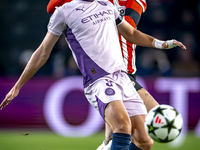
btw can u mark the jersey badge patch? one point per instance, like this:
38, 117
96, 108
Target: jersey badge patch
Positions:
93, 70
109, 91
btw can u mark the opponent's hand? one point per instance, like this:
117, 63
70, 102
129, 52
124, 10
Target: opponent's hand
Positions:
172, 43
167, 44
10, 96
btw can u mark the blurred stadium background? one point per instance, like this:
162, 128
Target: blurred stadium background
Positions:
51, 111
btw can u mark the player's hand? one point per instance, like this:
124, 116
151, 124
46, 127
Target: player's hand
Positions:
10, 96
172, 43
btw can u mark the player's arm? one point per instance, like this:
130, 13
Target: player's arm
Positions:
134, 36
55, 3
37, 60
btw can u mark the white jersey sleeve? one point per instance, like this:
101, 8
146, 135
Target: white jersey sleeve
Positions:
57, 22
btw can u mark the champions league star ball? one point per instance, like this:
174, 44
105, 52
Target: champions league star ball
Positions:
163, 123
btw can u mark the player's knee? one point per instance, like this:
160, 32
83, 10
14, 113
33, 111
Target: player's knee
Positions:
149, 144
146, 143
124, 127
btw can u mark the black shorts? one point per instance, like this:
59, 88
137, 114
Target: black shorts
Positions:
133, 78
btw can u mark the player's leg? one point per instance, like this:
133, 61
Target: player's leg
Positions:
108, 134
117, 118
106, 144
137, 113
106, 96
148, 100
118, 121
149, 103
139, 137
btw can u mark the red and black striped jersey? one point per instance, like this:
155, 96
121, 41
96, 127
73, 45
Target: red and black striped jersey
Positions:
132, 10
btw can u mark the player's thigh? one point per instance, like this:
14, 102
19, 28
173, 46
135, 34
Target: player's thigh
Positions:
148, 100
117, 118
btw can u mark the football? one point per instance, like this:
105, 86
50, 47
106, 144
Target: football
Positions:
163, 123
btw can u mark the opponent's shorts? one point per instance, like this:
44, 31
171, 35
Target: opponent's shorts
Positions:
112, 87
133, 79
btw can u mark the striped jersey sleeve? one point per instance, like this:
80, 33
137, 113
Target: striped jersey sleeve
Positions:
134, 10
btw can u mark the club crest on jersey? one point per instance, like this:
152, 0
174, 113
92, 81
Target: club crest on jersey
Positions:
109, 91
121, 11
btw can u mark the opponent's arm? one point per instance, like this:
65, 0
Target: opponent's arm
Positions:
37, 60
134, 36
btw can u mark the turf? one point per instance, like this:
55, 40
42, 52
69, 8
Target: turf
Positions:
34, 140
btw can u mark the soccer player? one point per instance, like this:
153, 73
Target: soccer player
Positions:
132, 10
91, 29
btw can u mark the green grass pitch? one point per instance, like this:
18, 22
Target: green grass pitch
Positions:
35, 140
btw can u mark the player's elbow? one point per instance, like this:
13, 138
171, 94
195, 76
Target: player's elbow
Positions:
42, 54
